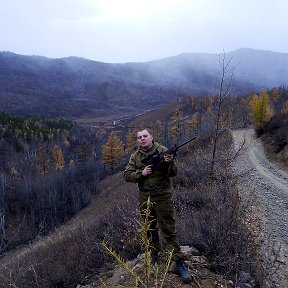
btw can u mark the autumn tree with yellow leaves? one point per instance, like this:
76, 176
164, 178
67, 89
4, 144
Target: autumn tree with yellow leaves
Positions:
177, 127
193, 124
112, 151
43, 159
261, 109
131, 140
286, 107
58, 158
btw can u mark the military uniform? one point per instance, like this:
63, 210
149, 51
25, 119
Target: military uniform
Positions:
159, 187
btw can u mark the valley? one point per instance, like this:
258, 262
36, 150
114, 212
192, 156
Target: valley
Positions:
48, 163
76, 88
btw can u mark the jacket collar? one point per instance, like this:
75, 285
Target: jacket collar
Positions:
151, 150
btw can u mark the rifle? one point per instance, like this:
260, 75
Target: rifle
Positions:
155, 158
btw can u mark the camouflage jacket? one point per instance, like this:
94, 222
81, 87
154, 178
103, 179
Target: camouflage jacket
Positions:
158, 183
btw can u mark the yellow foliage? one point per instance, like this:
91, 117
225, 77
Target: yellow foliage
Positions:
71, 163
66, 142
193, 123
101, 132
58, 158
131, 139
276, 92
43, 160
261, 109
177, 128
13, 171
225, 117
286, 107
112, 151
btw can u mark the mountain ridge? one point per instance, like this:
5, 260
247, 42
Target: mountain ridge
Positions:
75, 86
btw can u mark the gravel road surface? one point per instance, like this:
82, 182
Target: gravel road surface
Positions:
267, 186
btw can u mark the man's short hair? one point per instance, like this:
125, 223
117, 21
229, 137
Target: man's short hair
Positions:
148, 129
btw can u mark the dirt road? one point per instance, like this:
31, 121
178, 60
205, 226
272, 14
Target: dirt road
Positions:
267, 187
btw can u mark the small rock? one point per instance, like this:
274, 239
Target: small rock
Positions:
189, 251
230, 283
199, 260
244, 277
122, 279
244, 285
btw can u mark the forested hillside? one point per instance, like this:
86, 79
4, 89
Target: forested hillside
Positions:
274, 136
50, 167
270, 115
40, 156
48, 171
75, 87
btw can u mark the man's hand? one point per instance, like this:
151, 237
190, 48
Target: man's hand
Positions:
168, 158
148, 170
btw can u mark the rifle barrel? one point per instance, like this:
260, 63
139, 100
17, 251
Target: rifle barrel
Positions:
193, 138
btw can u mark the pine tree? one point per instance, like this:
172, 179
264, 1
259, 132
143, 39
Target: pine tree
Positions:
112, 151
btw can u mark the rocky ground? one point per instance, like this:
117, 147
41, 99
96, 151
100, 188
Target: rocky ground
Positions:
266, 187
198, 265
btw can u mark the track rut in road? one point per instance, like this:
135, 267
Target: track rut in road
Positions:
267, 186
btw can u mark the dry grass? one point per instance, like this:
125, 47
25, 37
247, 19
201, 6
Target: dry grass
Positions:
70, 253
274, 136
209, 216
155, 115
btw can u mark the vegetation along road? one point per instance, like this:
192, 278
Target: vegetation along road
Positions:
266, 188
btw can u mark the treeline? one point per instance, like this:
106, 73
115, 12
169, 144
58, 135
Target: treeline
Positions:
50, 178
268, 104
200, 115
270, 113
19, 131
49, 167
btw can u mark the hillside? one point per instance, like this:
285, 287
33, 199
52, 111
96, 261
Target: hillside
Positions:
76, 87
274, 136
113, 215
208, 210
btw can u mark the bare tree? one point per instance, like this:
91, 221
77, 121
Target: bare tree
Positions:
226, 80
3, 186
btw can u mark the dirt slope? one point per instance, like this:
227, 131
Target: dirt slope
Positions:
267, 187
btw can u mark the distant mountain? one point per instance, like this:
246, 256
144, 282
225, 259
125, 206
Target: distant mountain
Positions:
266, 69
74, 86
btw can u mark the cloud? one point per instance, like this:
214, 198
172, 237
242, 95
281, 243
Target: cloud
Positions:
139, 30
131, 10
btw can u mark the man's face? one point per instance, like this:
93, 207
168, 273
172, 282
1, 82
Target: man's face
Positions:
144, 139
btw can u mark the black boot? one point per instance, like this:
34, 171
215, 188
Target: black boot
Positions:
183, 271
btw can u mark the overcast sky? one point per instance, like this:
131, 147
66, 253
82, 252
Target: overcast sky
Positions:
118, 31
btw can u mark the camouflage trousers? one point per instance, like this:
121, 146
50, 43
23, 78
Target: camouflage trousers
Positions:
161, 217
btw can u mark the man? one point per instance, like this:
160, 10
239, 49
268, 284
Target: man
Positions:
156, 182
